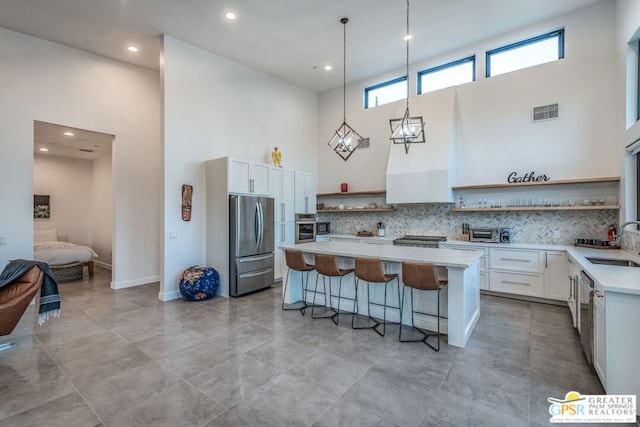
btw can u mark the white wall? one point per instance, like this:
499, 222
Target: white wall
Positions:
494, 132
102, 209
56, 84
68, 184
214, 107
628, 26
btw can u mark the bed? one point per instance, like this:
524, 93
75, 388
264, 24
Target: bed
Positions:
65, 259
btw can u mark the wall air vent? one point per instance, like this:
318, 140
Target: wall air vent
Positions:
84, 150
544, 112
363, 143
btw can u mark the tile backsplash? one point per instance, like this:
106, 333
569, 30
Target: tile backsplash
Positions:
548, 227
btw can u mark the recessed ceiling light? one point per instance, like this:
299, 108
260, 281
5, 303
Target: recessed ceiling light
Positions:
44, 149
408, 37
132, 49
328, 68
69, 133
230, 16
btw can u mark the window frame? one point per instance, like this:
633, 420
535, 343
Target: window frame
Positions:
381, 85
637, 82
451, 64
556, 33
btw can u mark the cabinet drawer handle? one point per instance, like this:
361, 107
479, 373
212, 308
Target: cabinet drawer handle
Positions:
516, 283
515, 259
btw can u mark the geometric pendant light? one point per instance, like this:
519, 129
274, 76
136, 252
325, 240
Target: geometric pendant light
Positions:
345, 139
407, 130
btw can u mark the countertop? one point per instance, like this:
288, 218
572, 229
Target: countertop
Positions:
373, 238
612, 278
442, 257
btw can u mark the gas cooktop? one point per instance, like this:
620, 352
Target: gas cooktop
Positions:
419, 241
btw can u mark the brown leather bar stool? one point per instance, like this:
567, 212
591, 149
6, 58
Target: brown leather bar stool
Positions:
371, 271
327, 266
295, 261
421, 277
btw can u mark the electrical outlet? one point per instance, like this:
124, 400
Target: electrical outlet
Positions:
3, 241
556, 234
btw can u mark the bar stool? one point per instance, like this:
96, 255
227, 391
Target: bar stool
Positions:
295, 261
421, 277
371, 271
327, 266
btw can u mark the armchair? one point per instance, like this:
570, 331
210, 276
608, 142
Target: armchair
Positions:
14, 299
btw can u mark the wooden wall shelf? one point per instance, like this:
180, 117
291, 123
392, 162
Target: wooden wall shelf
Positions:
355, 210
536, 184
355, 193
537, 208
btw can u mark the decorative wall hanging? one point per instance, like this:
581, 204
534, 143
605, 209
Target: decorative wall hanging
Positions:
187, 192
41, 207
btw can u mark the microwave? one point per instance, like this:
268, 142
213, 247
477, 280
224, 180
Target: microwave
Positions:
490, 235
323, 228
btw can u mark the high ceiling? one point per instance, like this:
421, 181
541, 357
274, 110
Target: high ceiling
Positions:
83, 144
290, 39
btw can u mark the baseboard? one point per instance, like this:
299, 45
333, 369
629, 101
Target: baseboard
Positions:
102, 265
169, 296
136, 282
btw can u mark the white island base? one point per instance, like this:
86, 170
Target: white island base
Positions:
459, 302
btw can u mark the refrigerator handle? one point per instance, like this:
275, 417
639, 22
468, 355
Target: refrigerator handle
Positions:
260, 224
256, 225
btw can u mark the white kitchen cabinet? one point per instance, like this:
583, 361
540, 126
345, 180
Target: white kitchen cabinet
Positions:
284, 234
555, 275
517, 271
599, 334
484, 263
305, 192
281, 188
529, 284
248, 178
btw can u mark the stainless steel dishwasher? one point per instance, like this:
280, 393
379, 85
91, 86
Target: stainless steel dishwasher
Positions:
586, 315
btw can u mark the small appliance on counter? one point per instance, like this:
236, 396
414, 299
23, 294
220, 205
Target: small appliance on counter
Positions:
490, 235
595, 243
323, 228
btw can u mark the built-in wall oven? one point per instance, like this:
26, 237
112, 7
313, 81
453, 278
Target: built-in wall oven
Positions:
305, 228
586, 314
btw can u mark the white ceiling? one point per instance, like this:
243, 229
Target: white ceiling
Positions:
284, 38
84, 144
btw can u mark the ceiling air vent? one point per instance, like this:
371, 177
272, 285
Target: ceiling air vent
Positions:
85, 150
544, 112
363, 143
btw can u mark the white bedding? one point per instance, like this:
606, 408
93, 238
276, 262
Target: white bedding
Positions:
58, 253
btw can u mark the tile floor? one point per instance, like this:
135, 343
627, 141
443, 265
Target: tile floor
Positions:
123, 358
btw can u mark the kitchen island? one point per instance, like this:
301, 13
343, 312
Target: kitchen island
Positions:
460, 303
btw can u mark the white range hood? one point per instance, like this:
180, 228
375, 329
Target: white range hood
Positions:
425, 174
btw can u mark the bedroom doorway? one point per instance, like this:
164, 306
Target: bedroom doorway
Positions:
73, 192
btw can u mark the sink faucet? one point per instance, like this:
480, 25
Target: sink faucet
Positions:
619, 236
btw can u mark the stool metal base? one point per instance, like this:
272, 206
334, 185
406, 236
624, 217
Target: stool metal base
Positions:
299, 305
384, 322
425, 335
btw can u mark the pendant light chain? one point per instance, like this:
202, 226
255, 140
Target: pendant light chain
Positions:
407, 37
344, 68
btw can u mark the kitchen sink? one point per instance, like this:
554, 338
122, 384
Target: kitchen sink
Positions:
613, 261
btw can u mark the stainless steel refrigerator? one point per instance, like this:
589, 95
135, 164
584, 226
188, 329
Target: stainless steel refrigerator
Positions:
250, 244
